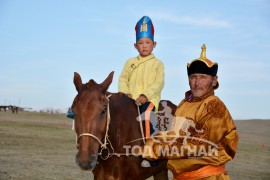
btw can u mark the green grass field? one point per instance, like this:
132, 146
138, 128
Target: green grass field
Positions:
42, 146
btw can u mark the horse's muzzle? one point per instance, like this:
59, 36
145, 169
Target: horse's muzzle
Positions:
87, 163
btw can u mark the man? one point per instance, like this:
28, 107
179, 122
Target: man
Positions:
203, 136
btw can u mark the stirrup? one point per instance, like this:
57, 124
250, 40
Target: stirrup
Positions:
145, 164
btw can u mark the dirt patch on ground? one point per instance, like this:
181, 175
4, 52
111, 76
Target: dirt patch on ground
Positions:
42, 146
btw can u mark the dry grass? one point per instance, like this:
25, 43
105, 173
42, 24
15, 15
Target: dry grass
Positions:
42, 146
252, 160
37, 146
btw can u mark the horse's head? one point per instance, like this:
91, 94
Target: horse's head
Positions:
90, 110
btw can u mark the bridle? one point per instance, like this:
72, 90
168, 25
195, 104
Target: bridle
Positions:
103, 145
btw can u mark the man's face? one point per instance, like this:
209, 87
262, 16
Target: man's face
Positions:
201, 84
145, 46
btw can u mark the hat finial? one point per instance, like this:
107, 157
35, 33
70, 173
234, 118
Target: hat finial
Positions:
203, 53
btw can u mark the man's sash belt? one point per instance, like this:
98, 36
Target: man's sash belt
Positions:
206, 171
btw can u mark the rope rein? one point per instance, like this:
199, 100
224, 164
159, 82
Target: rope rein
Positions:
141, 127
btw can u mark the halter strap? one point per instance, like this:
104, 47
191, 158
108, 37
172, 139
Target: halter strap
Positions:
106, 138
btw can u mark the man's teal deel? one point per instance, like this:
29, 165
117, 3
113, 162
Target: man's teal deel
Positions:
144, 28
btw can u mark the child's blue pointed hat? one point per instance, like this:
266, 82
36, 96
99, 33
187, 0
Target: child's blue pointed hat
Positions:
144, 28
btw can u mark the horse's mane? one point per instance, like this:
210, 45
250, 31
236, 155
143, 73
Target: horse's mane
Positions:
120, 97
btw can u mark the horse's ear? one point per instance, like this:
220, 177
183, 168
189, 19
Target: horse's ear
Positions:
77, 81
107, 82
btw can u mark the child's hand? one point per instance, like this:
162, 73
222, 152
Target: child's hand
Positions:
129, 95
141, 99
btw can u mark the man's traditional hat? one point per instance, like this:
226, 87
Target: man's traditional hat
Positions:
203, 65
144, 28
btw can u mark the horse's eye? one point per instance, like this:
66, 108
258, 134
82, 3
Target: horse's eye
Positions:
103, 110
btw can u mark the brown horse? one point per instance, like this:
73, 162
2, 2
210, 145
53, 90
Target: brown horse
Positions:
107, 132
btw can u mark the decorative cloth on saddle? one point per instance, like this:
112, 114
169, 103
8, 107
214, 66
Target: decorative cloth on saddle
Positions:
70, 113
146, 112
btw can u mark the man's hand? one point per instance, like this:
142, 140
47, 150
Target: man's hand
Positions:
141, 99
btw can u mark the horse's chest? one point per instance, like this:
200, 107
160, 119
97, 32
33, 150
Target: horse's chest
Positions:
114, 168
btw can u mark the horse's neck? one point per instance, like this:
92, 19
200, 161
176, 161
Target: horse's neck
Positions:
124, 127
123, 111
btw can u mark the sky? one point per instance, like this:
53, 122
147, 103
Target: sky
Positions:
42, 44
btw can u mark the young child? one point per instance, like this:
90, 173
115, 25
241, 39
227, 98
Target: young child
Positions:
142, 77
